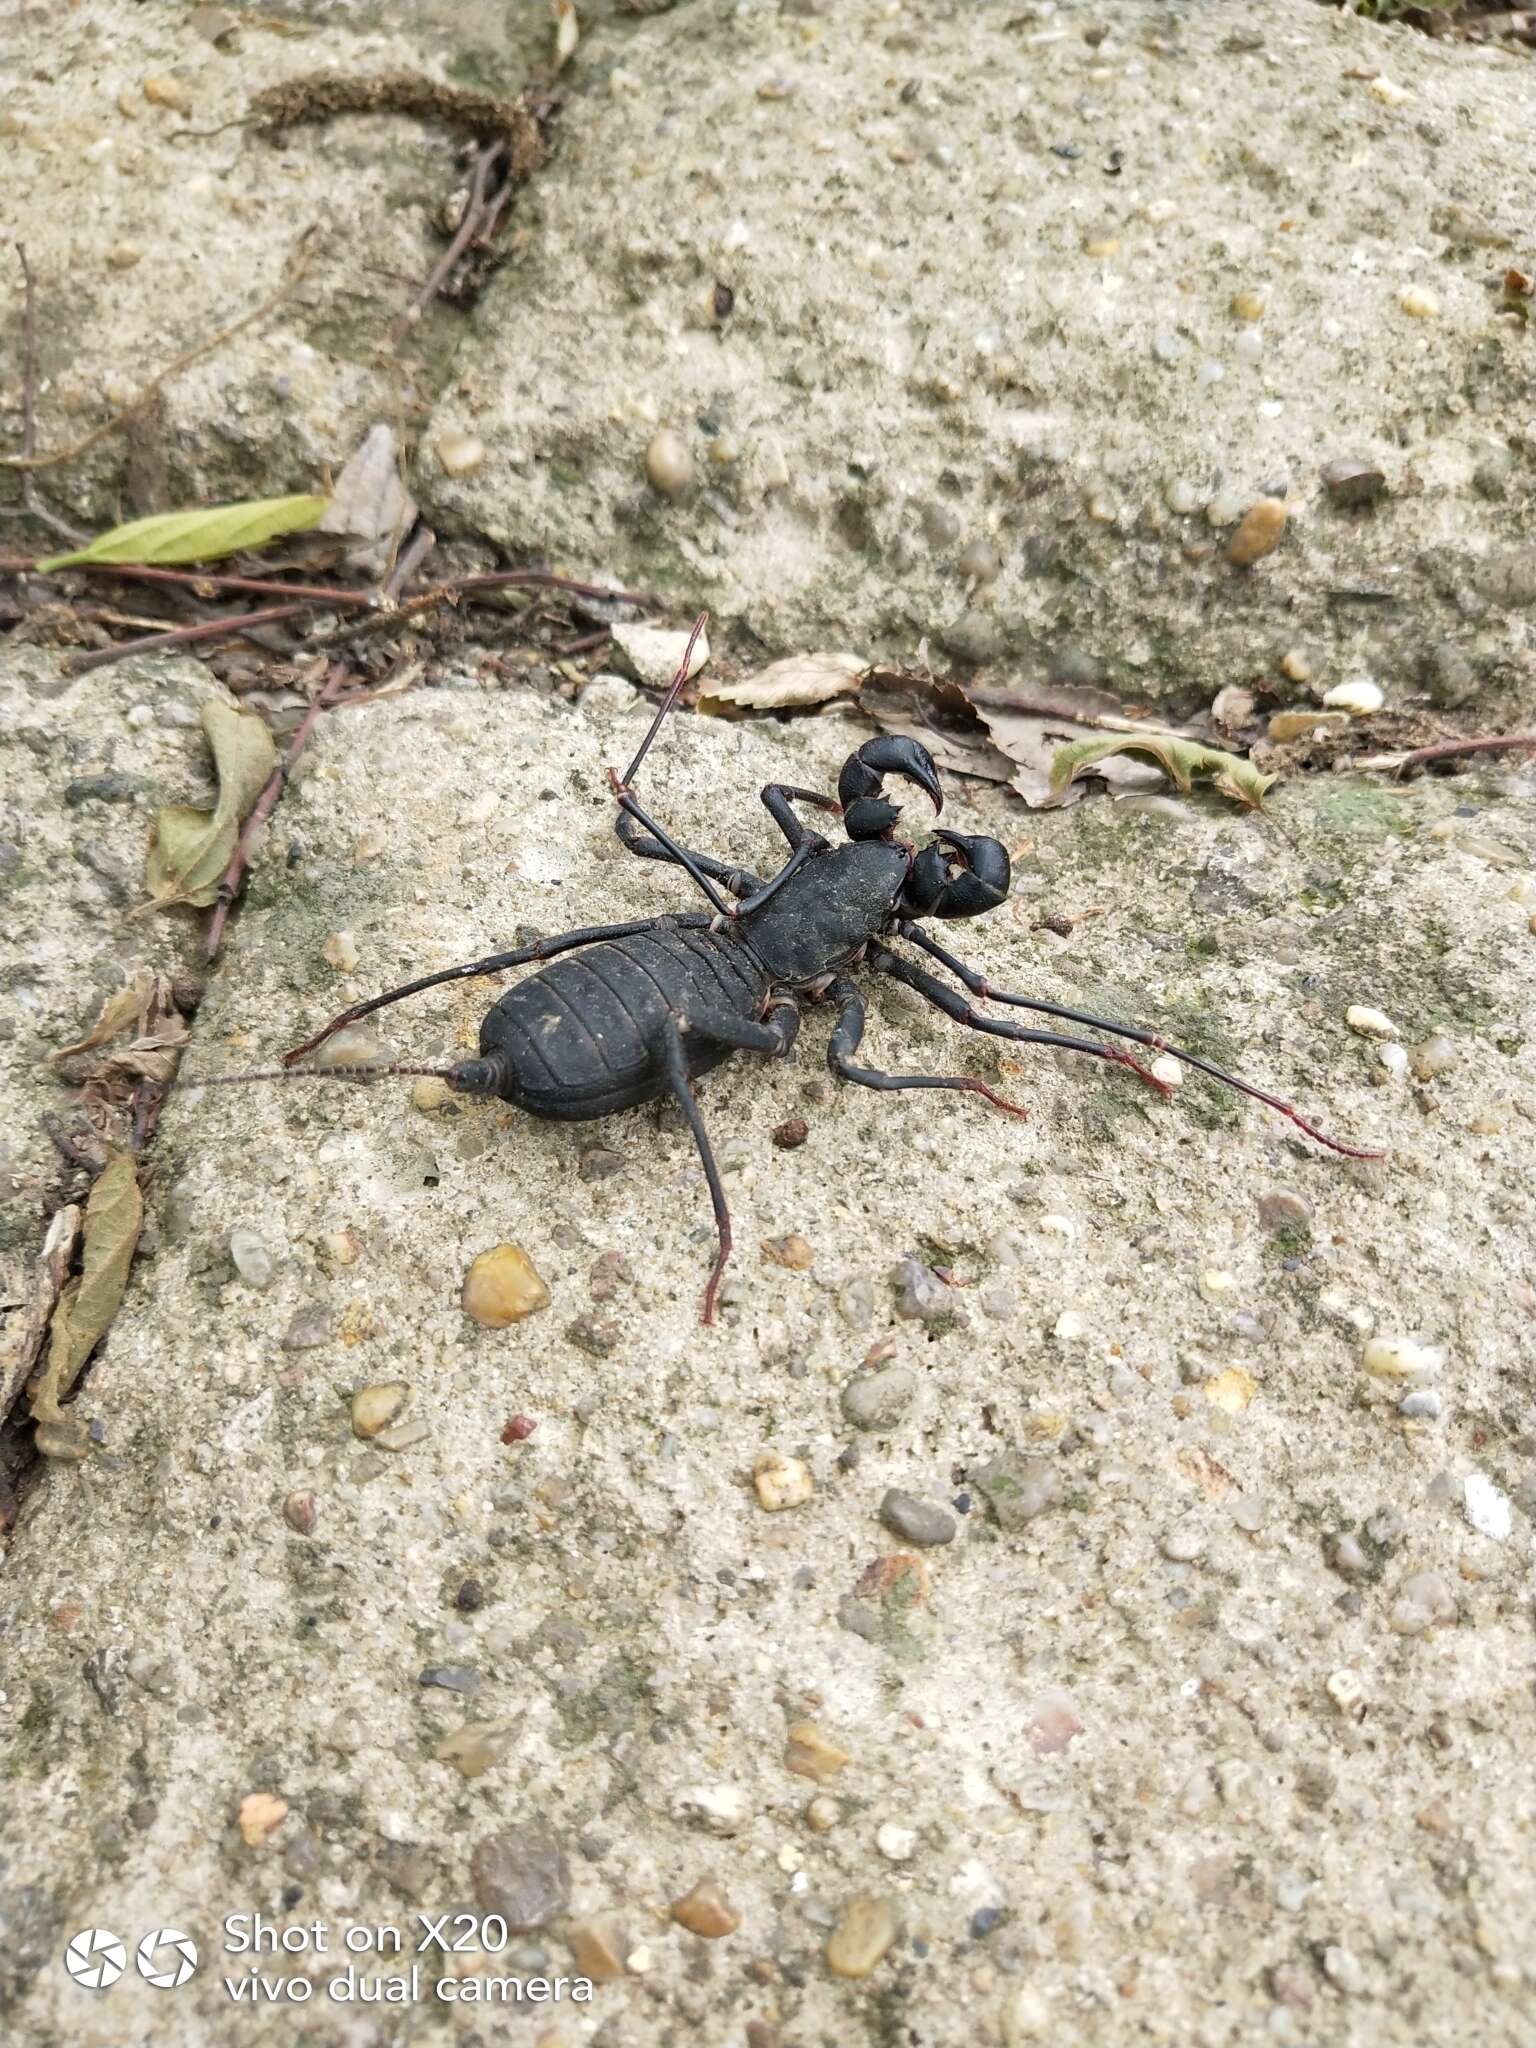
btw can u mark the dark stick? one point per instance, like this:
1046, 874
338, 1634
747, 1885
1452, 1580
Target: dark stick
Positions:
1448, 750
229, 888
261, 586
583, 643
183, 636
470, 221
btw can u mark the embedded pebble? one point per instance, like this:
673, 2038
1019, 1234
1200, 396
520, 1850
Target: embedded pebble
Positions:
1353, 481
607, 697
299, 1513
668, 464
1017, 1489
1225, 508
1400, 1358
1280, 1211
1424, 1601
597, 1949
654, 654
1183, 1543
791, 1134
915, 1521
822, 1814
252, 1260
502, 1287
878, 1400
1347, 1691
1425, 1405
1369, 1023
1026, 2016
599, 1162
261, 1815
1395, 1060
808, 1753
1181, 496
1418, 302
1487, 1509
356, 1045
1070, 1327
1247, 305
1217, 1285
865, 1929
896, 1844
706, 1911
161, 90
429, 1093
719, 1809
792, 1252
781, 1482
1168, 1070
1258, 533
375, 1407
1341, 1966
450, 1677
1359, 696
1433, 1057
460, 454
980, 562
522, 1873
920, 1294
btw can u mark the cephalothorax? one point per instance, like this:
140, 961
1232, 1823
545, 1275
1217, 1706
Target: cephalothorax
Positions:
640, 1010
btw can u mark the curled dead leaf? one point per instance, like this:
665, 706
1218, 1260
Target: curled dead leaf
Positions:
114, 1215
1181, 760
189, 849
798, 679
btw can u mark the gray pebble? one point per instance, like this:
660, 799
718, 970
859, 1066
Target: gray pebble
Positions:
309, 1328
916, 1521
451, 1677
1424, 1404
252, 1260
598, 1162
521, 1872
920, 1294
1018, 1488
878, 1400
1279, 1211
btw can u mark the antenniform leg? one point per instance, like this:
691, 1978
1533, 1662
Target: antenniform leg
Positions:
775, 1035
493, 963
844, 1043
951, 1004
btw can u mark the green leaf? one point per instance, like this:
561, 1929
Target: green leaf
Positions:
1180, 760
189, 850
200, 536
114, 1215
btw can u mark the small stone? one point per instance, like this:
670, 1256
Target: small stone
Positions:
1422, 1406
781, 1482
123, 256
791, 1134
1353, 481
1183, 1543
1394, 1061
668, 464
469, 1596
429, 1093
341, 952
1487, 1510
261, 1815
1057, 1226
654, 654
719, 1809
401, 1436
915, 1521
822, 1814
1433, 1057
1225, 508
896, 1844
598, 1949
1359, 697
449, 1677
1231, 1391
1341, 1966
1258, 533
161, 90
706, 1911
1424, 1601
1419, 302
878, 1400
299, 1513
1070, 1327
1369, 1023
810, 1754
1247, 306
1295, 666
359, 1045
920, 1294
1347, 1691
474, 1749
1182, 496
502, 1287
1400, 1358
1025, 2017
792, 1252
597, 1162
598, 1336
252, 1261
521, 1872
460, 454
1299, 725
375, 1407
1217, 1285
1168, 1070
1279, 1211
980, 562
865, 1929
1017, 1489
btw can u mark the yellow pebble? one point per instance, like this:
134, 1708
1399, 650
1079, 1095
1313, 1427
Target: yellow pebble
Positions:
502, 1287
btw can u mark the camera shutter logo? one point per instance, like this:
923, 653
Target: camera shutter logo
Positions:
96, 1958
166, 1957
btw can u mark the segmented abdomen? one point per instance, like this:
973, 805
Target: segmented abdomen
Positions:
583, 1036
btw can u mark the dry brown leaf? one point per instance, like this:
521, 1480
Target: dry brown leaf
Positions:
798, 679
117, 1013
368, 500
939, 716
114, 1215
27, 1296
189, 850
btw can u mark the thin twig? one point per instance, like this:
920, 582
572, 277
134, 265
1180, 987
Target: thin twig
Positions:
296, 268
470, 221
184, 636
1445, 750
206, 581
583, 643
234, 874
407, 562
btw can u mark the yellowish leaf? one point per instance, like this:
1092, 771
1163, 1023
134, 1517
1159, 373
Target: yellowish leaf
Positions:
114, 1215
199, 536
798, 679
567, 31
1180, 760
190, 849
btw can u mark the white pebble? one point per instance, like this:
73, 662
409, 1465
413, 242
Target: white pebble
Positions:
722, 1809
1347, 1692
1400, 1358
1070, 1327
1167, 1070
895, 1844
1487, 1509
460, 454
1218, 1286
1058, 1226
252, 1260
782, 1482
1419, 303
341, 952
1359, 696
1183, 1543
1395, 1059
1368, 1022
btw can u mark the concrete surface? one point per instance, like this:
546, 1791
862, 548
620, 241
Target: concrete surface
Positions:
1231, 1741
